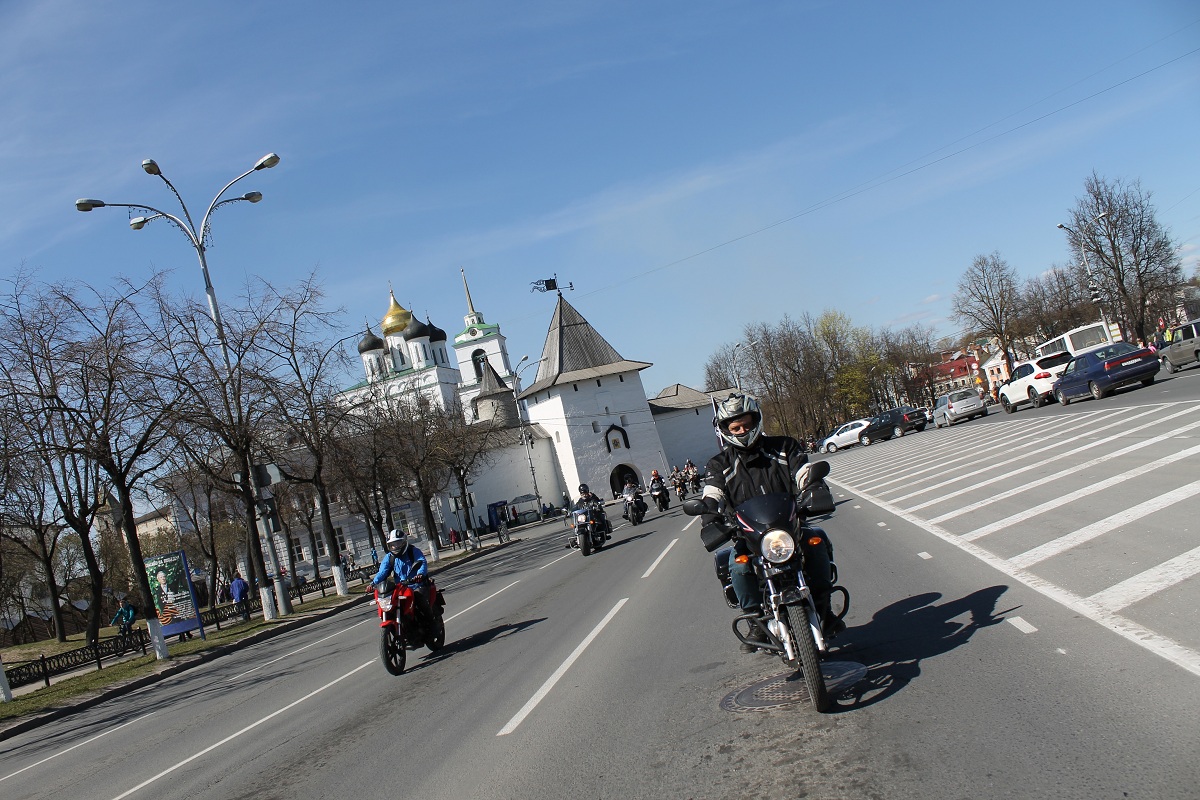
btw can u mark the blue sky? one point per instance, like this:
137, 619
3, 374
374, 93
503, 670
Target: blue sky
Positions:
690, 166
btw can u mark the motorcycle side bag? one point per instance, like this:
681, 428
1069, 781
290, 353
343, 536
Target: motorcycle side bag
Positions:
818, 499
721, 562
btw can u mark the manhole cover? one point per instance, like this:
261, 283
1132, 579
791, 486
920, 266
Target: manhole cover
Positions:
789, 688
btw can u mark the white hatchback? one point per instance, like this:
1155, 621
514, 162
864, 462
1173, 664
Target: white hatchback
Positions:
844, 436
1031, 381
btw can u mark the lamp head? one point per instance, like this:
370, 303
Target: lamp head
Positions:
87, 204
267, 161
253, 197
150, 167
137, 223
1064, 227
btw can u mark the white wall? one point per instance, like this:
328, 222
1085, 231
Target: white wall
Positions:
687, 434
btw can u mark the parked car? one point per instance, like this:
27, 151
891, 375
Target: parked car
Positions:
893, 422
959, 404
843, 436
1032, 382
1184, 348
1102, 371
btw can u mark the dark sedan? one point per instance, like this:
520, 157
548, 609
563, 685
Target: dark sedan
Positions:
1101, 371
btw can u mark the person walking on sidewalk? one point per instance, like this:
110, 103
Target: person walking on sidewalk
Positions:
239, 590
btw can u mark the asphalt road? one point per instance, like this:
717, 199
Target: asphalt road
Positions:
604, 676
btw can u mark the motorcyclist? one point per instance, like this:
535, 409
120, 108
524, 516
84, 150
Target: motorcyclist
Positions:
406, 561
632, 494
587, 499
754, 464
657, 484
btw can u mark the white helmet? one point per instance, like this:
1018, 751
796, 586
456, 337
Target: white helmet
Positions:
732, 407
397, 542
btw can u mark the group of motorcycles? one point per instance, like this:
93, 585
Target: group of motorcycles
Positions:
773, 528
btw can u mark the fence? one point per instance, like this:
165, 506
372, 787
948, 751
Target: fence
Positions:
43, 668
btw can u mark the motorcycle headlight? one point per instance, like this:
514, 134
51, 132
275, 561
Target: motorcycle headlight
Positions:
778, 546
385, 602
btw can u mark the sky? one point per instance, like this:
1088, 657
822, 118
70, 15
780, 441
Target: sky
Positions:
689, 167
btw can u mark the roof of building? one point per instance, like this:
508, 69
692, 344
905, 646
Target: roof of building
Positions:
677, 396
575, 351
490, 382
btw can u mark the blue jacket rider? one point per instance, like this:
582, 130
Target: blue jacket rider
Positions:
408, 564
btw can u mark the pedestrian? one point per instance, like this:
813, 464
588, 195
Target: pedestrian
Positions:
453, 539
374, 557
239, 590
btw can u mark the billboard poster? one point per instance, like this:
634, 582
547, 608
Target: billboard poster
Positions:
174, 594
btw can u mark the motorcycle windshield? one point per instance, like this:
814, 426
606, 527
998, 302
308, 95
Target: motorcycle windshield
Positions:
767, 511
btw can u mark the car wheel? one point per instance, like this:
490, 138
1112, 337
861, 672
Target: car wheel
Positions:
897, 431
831, 448
1007, 406
1062, 398
1148, 381
1096, 391
984, 414
920, 428
864, 440
1167, 366
1035, 399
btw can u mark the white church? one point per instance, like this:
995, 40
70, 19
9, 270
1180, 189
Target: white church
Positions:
585, 418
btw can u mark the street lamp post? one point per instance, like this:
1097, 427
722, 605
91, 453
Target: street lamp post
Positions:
737, 376
1087, 266
527, 437
196, 237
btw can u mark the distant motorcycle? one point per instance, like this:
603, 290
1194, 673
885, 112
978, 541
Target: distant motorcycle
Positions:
400, 629
681, 489
661, 497
635, 508
772, 525
589, 529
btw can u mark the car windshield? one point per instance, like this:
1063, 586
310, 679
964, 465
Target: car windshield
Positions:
1113, 351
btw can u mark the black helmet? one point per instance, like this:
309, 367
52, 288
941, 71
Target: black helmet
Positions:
583, 489
732, 407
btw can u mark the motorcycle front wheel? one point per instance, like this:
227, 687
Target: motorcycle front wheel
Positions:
806, 650
585, 543
391, 650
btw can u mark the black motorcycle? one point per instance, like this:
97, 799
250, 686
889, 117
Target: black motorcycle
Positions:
661, 497
635, 509
772, 527
589, 529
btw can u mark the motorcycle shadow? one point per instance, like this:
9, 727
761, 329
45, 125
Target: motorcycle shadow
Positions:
626, 539
900, 636
474, 640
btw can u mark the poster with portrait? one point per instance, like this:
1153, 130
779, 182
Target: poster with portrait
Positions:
173, 593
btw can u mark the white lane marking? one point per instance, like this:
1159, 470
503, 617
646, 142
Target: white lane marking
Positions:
1090, 489
481, 602
1155, 579
1022, 625
541, 693
285, 655
661, 556
881, 524
925, 555
1024, 457
1101, 527
74, 746
555, 561
1156, 643
690, 524
246, 729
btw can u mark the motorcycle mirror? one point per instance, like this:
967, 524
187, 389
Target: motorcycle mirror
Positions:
694, 507
817, 470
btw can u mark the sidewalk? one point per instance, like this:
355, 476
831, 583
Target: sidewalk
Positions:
176, 664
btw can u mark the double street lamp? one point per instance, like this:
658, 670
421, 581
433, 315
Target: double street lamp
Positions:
737, 375
197, 235
527, 437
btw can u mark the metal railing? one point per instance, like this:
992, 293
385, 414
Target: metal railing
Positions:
45, 667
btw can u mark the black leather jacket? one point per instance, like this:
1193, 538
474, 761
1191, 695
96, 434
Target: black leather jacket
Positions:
734, 476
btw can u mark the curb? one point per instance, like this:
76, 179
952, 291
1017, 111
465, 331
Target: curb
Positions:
171, 668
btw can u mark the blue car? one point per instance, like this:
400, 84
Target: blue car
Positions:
1101, 371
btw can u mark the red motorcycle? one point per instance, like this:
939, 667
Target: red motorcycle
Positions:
401, 631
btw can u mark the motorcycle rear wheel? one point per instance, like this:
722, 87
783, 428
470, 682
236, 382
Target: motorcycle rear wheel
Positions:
439, 635
806, 650
392, 651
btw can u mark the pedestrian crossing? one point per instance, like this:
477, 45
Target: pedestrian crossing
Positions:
1095, 507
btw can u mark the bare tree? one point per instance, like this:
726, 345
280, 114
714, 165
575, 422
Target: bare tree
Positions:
989, 301
1135, 262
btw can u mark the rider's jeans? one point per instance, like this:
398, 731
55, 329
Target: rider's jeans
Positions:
745, 582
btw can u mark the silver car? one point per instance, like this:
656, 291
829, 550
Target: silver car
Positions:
845, 436
959, 404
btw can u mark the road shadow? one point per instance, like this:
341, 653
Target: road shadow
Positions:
902, 635
477, 639
627, 539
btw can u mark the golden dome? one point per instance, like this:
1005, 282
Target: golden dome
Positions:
396, 319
